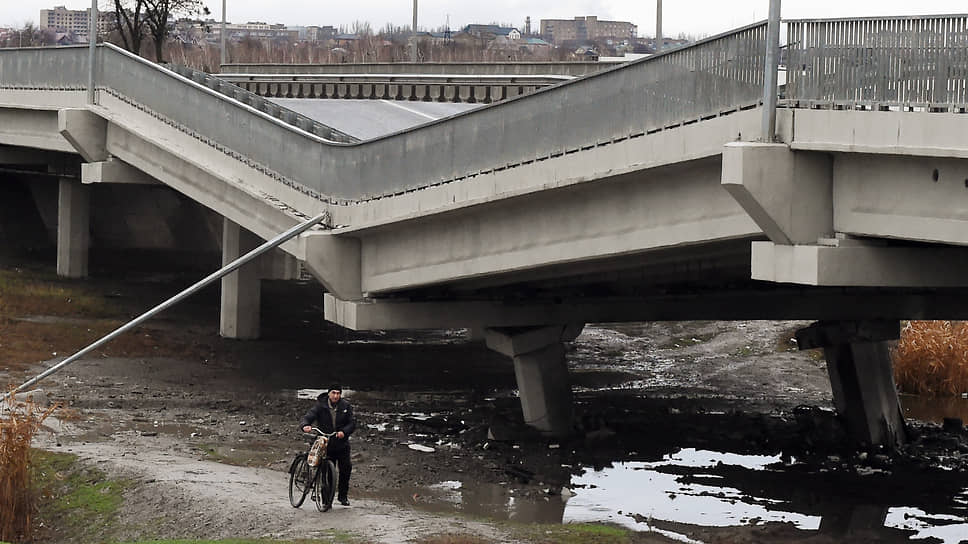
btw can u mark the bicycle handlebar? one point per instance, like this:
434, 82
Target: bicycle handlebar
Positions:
319, 432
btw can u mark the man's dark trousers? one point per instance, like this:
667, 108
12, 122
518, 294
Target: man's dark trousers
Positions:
342, 458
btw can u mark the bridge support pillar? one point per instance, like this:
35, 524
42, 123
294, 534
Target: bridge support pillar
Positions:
861, 376
241, 290
73, 228
541, 372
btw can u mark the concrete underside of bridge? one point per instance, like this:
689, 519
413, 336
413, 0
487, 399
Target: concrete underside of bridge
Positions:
853, 216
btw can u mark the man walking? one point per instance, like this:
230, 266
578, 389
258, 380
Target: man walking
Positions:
333, 414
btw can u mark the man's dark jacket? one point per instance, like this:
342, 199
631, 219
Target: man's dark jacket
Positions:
320, 414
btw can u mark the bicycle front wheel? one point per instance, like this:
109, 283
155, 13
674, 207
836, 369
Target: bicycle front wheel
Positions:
325, 485
300, 480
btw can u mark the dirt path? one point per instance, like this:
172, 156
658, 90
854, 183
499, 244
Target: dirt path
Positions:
184, 497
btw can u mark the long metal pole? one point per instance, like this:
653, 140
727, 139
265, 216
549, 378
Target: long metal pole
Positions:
225, 270
413, 31
222, 37
768, 126
92, 38
658, 26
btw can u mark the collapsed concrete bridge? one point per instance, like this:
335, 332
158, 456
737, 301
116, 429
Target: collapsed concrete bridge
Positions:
642, 192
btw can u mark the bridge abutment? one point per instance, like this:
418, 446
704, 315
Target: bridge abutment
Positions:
541, 372
241, 290
861, 376
73, 228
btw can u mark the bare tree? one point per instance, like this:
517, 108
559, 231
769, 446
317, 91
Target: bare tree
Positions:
157, 13
130, 23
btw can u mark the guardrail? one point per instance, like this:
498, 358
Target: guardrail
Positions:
230, 89
570, 68
879, 62
719, 74
484, 89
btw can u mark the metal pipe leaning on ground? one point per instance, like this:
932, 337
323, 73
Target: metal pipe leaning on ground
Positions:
218, 274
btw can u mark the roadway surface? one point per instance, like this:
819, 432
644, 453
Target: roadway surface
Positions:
368, 119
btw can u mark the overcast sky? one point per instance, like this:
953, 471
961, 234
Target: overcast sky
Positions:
692, 17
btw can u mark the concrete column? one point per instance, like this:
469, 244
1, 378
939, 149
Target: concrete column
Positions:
541, 372
241, 290
73, 228
861, 377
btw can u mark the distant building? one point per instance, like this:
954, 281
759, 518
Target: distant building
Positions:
69, 21
320, 33
257, 30
585, 28
493, 31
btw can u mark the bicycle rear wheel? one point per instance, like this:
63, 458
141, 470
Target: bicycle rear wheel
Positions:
300, 480
325, 485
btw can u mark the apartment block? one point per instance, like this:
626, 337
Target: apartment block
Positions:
61, 19
585, 28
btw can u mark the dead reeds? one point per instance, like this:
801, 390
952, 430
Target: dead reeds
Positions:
19, 421
931, 358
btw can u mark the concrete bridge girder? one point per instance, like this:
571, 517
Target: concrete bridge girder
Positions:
849, 262
895, 174
114, 171
669, 196
32, 127
884, 175
632, 213
788, 194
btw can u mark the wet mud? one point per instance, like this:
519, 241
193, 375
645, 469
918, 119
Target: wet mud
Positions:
689, 432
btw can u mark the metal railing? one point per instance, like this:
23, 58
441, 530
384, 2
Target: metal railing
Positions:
416, 87
879, 62
573, 69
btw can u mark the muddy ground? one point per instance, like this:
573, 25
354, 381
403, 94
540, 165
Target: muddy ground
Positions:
206, 428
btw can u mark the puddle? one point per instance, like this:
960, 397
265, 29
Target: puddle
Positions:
636, 494
934, 409
700, 489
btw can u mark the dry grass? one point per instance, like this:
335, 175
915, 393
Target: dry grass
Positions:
25, 293
18, 424
931, 358
42, 317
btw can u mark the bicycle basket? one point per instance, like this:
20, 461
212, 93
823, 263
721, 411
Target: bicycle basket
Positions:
317, 451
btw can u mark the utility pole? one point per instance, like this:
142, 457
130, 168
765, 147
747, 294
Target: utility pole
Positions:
658, 26
768, 125
413, 44
222, 38
92, 41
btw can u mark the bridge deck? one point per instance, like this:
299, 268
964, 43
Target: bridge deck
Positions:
608, 184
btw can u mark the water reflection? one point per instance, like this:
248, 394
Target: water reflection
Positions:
693, 489
945, 528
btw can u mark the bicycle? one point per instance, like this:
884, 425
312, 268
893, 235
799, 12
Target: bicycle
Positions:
319, 479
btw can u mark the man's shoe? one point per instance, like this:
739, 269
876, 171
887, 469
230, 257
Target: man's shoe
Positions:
344, 502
